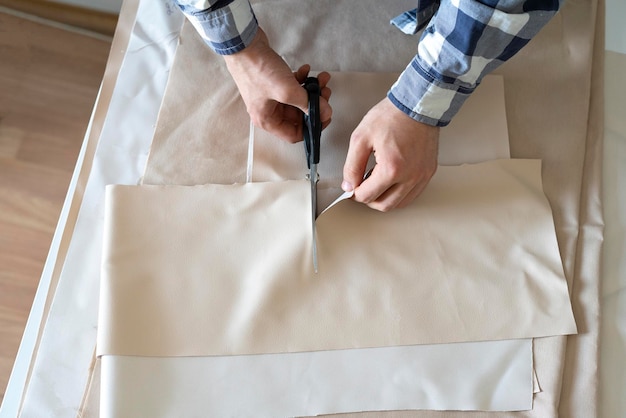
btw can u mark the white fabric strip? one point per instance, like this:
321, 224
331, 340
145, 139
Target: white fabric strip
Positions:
326, 382
250, 164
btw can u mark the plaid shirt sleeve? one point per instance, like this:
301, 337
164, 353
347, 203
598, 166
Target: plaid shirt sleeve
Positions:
463, 41
227, 26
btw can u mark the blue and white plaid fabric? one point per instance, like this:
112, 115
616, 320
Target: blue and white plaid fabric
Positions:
412, 21
463, 40
227, 26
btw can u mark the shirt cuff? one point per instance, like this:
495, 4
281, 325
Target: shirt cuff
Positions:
414, 20
426, 99
226, 30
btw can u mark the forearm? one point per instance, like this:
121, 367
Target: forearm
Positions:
464, 41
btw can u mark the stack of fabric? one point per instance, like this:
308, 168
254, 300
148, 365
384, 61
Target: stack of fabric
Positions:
459, 302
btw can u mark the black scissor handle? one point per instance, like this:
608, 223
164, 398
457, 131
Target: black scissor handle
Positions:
311, 123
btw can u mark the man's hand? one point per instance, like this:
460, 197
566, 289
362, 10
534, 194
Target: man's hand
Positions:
406, 158
273, 93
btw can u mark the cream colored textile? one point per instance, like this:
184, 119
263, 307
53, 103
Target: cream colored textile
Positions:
530, 81
554, 111
478, 133
474, 258
307, 384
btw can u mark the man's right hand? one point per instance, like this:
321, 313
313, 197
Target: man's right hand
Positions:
273, 93
406, 158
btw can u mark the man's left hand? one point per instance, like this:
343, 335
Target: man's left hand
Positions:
406, 158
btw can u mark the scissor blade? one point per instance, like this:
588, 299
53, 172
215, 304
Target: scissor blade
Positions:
313, 182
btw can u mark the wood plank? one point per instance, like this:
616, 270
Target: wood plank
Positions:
49, 79
80, 17
42, 75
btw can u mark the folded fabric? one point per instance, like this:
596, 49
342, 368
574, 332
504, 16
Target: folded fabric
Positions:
489, 376
533, 135
474, 258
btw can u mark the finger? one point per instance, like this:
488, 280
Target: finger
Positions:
291, 114
397, 196
323, 78
379, 189
292, 93
326, 93
281, 120
412, 195
287, 130
302, 73
295, 96
326, 123
359, 152
326, 111
386, 201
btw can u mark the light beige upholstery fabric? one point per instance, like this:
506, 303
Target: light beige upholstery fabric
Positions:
554, 112
219, 269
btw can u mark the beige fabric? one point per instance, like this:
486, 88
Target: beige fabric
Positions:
203, 138
548, 94
320, 382
189, 145
473, 259
568, 63
566, 132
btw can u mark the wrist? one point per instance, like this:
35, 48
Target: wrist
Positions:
257, 48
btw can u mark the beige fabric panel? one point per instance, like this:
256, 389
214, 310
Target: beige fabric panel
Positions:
193, 142
562, 70
549, 87
579, 396
474, 258
548, 94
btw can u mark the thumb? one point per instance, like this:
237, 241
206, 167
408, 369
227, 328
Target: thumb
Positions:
354, 168
302, 73
298, 96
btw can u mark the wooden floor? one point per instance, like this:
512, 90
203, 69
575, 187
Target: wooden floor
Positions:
49, 79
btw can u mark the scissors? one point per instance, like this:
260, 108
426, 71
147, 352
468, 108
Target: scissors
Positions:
312, 132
